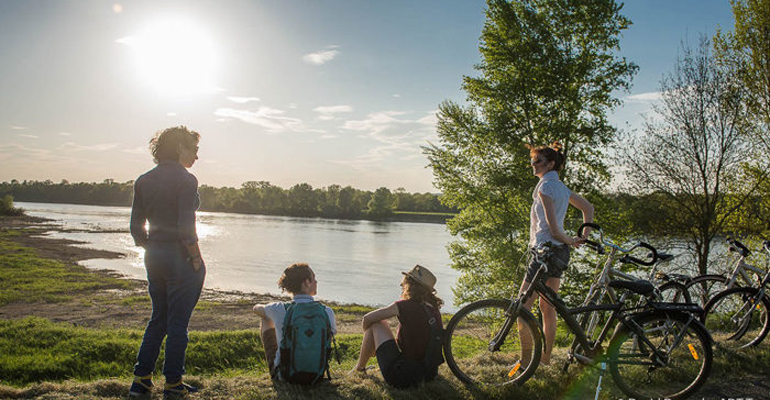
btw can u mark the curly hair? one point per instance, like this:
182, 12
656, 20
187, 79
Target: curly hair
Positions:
164, 146
292, 278
549, 153
414, 290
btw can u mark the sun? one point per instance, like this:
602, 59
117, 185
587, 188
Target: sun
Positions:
175, 57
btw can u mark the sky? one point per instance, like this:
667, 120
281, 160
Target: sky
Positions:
317, 91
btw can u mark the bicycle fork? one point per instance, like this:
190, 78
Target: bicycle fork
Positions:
511, 313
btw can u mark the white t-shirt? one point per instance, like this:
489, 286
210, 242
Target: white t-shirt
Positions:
549, 186
277, 311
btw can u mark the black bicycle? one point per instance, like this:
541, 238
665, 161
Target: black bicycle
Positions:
656, 350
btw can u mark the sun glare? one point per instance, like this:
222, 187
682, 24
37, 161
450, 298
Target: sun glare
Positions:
175, 57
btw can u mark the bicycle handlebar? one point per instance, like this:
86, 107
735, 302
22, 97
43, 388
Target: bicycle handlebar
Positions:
598, 246
595, 245
635, 260
737, 246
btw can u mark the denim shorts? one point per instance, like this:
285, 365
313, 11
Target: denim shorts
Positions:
556, 264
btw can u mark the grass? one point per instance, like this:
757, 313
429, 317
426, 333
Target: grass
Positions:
25, 277
43, 359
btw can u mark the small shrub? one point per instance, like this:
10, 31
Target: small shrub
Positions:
7, 208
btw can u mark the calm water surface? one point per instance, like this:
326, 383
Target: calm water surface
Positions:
354, 261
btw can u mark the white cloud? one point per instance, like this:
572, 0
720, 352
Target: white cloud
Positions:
19, 128
333, 109
72, 146
129, 41
65, 134
137, 150
171, 114
400, 137
396, 95
269, 118
26, 135
327, 113
242, 100
328, 136
322, 56
644, 97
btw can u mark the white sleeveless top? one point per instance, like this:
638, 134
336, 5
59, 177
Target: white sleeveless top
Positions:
549, 186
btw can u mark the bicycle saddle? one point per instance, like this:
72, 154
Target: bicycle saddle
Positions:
641, 286
665, 257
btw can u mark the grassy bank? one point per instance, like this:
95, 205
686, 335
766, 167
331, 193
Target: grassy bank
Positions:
26, 277
41, 358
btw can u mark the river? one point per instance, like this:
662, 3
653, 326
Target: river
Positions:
354, 261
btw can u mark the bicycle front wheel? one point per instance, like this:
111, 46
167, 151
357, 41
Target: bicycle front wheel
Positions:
470, 333
737, 318
668, 358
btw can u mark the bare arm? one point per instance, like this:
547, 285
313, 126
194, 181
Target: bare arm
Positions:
553, 224
585, 207
379, 315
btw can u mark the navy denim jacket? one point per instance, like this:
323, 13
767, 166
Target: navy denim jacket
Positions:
167, 197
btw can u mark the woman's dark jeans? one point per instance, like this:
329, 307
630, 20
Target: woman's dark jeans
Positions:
174, 288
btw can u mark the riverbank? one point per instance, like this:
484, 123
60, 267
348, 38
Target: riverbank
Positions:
70, 332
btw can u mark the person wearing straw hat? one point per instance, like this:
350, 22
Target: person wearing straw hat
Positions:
401, 357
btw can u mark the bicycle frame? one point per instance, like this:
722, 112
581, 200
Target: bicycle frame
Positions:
739, 271
567, 314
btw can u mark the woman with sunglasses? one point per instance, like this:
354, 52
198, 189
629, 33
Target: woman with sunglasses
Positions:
550, 200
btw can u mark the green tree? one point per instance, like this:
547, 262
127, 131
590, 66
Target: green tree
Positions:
547, 73
302, 200
694, 150
745, 54
382, 204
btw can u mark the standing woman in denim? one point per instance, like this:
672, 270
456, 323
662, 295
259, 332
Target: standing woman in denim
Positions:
167, 198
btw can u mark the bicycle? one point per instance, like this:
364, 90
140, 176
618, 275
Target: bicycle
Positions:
660, 350
704, 287
670, 291
737, 317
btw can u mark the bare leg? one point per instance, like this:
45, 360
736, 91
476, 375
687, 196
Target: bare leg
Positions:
526, 340
377, 334
265, 325
269, 341
549, 322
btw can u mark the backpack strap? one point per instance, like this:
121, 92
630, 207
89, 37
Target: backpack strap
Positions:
431, 319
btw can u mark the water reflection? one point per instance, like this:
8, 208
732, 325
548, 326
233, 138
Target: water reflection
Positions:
355, 261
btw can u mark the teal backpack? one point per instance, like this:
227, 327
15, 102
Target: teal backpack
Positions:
306, 344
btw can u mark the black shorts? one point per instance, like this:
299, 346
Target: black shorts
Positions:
398, 371
556, 264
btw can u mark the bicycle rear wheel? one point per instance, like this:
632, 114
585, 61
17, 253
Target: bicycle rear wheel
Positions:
674, 292
467, 346
702, 288
737, 319
684, 363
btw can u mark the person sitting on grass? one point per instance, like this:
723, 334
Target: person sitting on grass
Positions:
401, 360
300, 281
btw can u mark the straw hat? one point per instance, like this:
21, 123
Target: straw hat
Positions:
423, 276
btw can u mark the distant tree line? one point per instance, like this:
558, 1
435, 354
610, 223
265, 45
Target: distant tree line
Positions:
253, 197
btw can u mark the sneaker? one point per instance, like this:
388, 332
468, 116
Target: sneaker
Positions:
178, 390
141, 387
